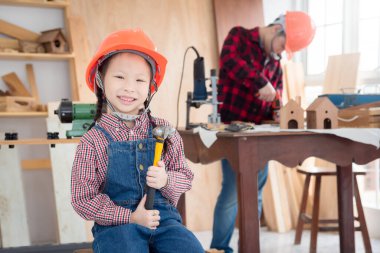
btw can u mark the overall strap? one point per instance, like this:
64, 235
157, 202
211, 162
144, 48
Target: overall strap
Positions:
106, 134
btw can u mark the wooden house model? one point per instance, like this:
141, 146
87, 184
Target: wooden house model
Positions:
322, 114
53, 41
292, 116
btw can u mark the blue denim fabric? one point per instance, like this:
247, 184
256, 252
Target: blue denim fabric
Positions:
128, 163
227, 206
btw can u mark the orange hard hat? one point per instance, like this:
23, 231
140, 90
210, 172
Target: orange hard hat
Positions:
299, 30
128, 40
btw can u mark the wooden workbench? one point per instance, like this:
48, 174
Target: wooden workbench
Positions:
247, 152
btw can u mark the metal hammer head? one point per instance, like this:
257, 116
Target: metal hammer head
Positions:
163, 132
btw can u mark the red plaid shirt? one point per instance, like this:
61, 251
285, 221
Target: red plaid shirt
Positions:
244, 69
90, 169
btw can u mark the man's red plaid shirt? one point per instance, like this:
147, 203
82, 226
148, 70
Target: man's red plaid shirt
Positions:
244, 69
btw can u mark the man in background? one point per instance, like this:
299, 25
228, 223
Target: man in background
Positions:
250, 79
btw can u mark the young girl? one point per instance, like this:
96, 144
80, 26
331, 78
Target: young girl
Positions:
113, 162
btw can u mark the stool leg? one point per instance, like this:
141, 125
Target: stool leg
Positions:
363, 225
315, 216
300, 221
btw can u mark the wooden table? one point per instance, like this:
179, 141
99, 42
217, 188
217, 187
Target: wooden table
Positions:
249, 152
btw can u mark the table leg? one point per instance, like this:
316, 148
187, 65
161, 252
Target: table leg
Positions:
249, 241
345, 209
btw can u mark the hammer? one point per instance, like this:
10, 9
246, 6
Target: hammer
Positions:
160, 133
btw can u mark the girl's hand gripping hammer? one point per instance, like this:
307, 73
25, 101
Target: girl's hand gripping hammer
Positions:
160, 133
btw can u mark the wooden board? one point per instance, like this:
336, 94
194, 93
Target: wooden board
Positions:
9, 43
341, 73
293, 82
275, 200
185, 23
71, 227
16, 104
36, 164
16, 87
17, 32
13, 216
32, 82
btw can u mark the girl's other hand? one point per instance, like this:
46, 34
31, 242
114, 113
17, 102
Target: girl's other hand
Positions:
146, 218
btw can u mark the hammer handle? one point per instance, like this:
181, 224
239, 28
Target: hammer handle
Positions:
157, 156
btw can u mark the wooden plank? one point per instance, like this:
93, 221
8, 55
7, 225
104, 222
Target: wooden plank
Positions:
9, 43
37, 3
16, 104
13, 216
32, 82
341, 73
71, 227
40, 141
16, 87
275, 200
36, 164
294, 82
78, 84
23, 114
17, 32
34, 56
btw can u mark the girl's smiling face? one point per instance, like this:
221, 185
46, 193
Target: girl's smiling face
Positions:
126, 82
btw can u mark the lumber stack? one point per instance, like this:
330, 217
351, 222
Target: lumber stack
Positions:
363, 116
18, 39
18, 98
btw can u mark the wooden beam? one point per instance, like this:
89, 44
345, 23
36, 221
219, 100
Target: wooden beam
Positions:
32, 82
36, 164
39, 141
16, 87
17, 32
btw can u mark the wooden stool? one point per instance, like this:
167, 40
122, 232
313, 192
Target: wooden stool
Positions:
303, 218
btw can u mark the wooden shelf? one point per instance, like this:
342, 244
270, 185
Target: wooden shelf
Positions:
32, 56
39, 141
36, 3
23, 114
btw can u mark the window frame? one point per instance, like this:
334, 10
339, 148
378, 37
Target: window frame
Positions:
350, 44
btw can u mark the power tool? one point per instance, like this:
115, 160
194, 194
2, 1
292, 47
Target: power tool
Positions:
81, 115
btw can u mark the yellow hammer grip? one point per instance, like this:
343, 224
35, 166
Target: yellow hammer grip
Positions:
158, 150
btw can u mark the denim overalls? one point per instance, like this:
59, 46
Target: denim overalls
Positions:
125, 182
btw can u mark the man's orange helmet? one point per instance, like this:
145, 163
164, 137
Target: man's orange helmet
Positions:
128, 40
299, 30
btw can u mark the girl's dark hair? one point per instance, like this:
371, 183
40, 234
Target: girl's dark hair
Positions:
99, 93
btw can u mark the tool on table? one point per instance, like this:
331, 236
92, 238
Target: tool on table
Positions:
81, 115
274, 109
200, 95
191, 101
160, 133
276, 106
237, 126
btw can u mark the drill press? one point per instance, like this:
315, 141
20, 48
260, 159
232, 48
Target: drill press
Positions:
81, 115
196, 100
